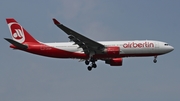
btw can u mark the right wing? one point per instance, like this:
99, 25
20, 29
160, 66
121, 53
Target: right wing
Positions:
88, 45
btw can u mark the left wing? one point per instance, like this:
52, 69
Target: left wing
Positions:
88, 45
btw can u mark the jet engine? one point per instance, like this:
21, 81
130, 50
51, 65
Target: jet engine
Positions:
114, 61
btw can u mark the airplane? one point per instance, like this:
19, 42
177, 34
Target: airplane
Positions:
84, 48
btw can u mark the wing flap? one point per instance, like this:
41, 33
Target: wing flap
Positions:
80, 43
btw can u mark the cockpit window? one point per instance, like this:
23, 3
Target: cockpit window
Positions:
166, 44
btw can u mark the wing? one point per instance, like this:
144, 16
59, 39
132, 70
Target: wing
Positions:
85, 43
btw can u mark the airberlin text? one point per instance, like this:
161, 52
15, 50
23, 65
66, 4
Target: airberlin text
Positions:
138, 45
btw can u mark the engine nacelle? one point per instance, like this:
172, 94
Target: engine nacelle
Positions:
112, 50
114, 61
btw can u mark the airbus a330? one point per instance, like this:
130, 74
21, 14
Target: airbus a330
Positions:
83, 48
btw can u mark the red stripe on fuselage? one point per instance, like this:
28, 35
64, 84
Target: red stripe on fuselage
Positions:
44, 50
49, 51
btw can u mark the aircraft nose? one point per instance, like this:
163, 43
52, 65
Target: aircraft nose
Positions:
171, 48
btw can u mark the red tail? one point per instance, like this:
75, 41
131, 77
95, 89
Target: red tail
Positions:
18, 33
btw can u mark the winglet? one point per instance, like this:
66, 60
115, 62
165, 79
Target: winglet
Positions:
55, 21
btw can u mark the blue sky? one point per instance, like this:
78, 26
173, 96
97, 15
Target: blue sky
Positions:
28, 77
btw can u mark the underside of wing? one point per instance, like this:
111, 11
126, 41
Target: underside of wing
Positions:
85, 43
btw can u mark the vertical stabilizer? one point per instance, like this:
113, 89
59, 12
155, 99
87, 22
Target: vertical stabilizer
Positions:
18, 33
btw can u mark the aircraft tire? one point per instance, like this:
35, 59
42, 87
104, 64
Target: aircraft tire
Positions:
94, 65
89, 68
87, 62
155, 61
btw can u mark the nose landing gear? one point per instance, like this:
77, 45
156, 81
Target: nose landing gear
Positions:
155, 59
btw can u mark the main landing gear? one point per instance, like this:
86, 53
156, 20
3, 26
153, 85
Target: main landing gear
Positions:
93, 64
155, 59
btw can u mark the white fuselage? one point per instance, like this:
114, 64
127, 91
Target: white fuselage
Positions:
126, 47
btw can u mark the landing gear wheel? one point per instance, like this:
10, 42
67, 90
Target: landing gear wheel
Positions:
89, 68
94, 65
87, 62
155, 61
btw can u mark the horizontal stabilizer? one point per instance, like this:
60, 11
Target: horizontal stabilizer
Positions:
17, 44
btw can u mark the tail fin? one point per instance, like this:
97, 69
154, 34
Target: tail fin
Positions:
18, 33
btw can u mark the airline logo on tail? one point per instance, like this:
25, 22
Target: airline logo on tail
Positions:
17, 32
